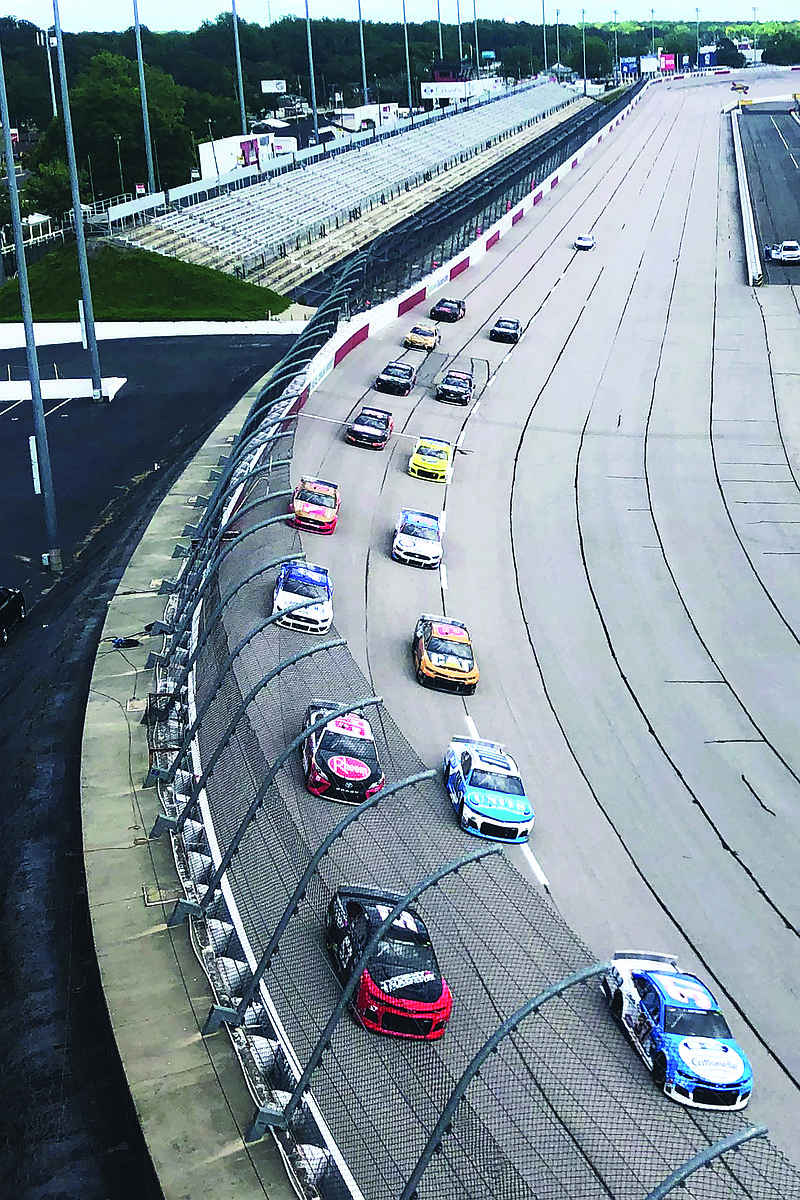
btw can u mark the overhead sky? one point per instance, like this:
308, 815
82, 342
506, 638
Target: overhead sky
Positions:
78, 15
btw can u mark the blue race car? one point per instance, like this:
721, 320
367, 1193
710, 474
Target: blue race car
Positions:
299, 581
486, 790
676, 1026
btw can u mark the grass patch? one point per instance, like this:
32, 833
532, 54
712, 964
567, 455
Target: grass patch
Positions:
137, 285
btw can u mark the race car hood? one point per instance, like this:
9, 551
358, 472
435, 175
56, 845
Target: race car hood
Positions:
423, 987
287, 599
451, 662
419, 545
347, 767
499, 805
315, 511
429, 460
708, 1059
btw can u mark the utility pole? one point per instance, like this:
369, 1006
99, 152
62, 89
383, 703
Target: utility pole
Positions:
477, 50
558, 42
697, 60
311, 73
43, 39
583, 39
238, 55
77, 216
41, 460
408, 66
653, 29
616, 50
148, 149
460, 44
544, 38
439, 19
363, 58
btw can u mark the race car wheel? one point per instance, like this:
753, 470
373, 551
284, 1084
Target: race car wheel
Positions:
420, 677
660, 1071
616, 1006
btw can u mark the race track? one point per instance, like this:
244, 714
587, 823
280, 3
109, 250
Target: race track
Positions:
622, 540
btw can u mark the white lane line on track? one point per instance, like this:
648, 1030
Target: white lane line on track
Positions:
443, 520
537, 870
472, 728
443, 576
475, 407
460, 439
785, 143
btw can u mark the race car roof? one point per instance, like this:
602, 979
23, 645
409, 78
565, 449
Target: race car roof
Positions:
682, 991
507, 322
309, 571
445, 303
431, 441
427, 330
447, 630
461, 376
321, 485
422, 518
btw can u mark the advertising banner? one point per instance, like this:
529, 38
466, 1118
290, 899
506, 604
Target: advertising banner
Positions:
628, 67
273, 85
666, 62
649, 64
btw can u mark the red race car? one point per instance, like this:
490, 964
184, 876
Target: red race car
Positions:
340, 759
401, 991
315, 505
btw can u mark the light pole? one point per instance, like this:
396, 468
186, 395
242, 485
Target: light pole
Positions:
118, 139
363, 58
616, 50
87, 322
583, 40
151, 182
439, 19
43, 39
238, 56
755, 35
41, 456
460, 43
311, 75
697, 60
544, 39
653, 29
558, 43
477, 51
408, 65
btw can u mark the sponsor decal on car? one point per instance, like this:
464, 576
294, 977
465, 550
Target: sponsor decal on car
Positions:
348, 768
350, 724
401, 981
446, 631
711, 1060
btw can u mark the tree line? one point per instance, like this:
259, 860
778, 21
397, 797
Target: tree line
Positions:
192, 86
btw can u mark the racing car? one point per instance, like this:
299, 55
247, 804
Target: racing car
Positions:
676, 1026
584, 241
298, 581
315, 504
505, 329
372, 427
431, 458
486, 790
448, 310
340, 760
442, 654
740, 87
422, 337
401, 992
785, 252
456, 387
417, 539
397, 377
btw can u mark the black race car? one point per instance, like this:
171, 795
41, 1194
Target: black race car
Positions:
456, 387
505, 330
12, 611
449, 310
402, 991
340, 760
372, 427
396, 377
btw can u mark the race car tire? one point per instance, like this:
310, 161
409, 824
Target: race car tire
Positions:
660, 1071
421, 680
461, 813
616, 1006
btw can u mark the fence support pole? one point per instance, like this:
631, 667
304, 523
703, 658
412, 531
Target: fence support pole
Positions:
705, 1158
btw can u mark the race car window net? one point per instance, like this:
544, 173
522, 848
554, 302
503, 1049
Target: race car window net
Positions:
489, 781
417, 530
691, 1023
398, 952
372, 422
460, 650
433, 452
322, 499
341, 743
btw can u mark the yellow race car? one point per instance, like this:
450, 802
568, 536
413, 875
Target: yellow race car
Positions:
431, 459
422, 337
442, 653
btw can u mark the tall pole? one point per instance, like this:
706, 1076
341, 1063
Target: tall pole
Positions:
616, 50
77, 216
43, 39
439, 19
544, 38
477, 49
239, 80
42, 449
583, 40
653, 29
148, 148
558, 42
755, 35
697, 60
460, 44
311, 75
118, 139
363, 57
408, 64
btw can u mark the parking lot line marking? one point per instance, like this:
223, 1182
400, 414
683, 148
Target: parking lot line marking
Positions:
443, 575
537, 870
472, 729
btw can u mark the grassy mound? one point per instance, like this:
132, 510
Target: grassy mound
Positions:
136, 285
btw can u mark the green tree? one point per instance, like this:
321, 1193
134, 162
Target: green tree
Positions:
48, 190
727, 54
783, 49
598, 58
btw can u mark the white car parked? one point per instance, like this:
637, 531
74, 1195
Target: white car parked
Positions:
785, 252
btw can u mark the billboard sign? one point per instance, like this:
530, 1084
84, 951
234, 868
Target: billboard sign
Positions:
708, 58
487, 55
273, 85
649, 64
666, 62
628, 67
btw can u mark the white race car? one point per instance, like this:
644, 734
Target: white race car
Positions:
584, 241
417, 539
785, 252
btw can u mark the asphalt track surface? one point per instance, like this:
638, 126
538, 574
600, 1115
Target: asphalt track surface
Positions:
66, 1126
622, 542
771, 142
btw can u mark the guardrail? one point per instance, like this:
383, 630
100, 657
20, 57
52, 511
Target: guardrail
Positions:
755, 271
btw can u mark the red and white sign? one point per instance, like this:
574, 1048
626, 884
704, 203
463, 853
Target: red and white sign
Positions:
350, 723
348, 768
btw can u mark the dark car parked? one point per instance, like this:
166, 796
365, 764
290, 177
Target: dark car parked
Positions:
12, 611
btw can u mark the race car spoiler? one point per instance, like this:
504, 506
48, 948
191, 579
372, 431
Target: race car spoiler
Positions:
643, 955
458, 625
